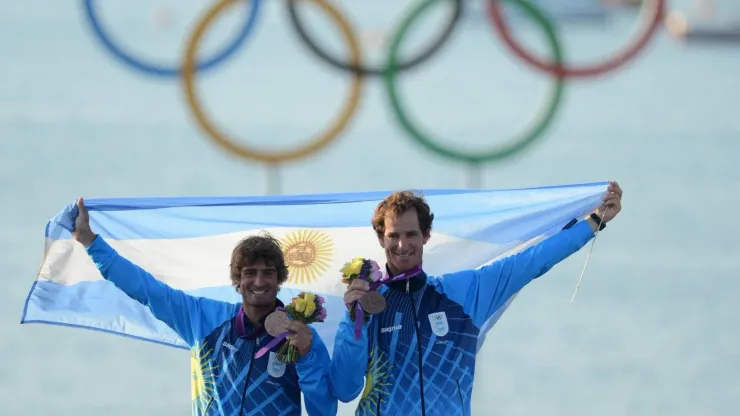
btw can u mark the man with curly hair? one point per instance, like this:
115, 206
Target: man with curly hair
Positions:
417, 357
225, 337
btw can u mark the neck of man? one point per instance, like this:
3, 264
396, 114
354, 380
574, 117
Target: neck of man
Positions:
413, 284
256, 313
395, 271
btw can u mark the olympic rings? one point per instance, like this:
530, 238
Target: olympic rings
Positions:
557, 69
161, 70
536, 129
326, 137
617, 60
417, 60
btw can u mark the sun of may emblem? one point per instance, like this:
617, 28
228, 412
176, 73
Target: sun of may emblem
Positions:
308, 254
204, 378
376, 388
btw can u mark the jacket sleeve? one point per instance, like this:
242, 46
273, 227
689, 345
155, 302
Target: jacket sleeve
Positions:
349, 360
192, 318
483, 291
313, 379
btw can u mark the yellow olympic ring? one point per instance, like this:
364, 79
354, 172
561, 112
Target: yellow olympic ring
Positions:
229, 144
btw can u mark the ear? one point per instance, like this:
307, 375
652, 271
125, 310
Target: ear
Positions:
426, 237
380, 242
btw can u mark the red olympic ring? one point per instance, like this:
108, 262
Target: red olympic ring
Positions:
657, 7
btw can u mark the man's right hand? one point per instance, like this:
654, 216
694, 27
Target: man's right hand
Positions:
82, 233
355, 291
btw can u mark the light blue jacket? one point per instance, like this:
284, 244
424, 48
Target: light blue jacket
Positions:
432, 324
226, 376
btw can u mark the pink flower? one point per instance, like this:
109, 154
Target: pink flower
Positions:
376, 275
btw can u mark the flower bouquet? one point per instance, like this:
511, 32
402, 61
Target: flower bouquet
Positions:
372, 302
308, 308
368, 270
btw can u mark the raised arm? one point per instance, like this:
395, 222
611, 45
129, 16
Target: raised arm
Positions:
192, 318
313, 378
483, 291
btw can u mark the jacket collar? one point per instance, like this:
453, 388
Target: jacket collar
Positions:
416, 283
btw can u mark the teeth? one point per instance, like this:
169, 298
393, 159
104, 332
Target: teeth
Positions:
259, 292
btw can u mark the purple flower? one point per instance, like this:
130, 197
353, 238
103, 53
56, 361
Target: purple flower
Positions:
321, 316
374, 266
319, 299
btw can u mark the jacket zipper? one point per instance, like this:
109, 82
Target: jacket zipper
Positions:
459, 393
246, 380
418, 347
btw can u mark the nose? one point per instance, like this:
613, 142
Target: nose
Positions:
260, 280
402, 242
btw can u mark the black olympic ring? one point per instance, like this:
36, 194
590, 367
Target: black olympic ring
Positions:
364, 70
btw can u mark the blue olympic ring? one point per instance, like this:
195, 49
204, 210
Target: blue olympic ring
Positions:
169, 71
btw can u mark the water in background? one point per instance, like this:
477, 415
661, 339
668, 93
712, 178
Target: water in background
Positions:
650, 333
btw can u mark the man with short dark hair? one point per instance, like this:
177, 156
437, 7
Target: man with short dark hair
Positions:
224, 337
417, 356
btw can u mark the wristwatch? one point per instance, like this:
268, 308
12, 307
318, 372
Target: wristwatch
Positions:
598, 220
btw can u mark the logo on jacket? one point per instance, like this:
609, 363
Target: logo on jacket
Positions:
391, 329
308, 255
203, 383
275, 368
229, 346
377, 387
438, 321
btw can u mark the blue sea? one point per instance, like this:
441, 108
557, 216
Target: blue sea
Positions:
651, 330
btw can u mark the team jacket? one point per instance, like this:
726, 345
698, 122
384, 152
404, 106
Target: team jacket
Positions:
432, 324
227, 379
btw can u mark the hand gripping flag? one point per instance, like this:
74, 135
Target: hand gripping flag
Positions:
187, 244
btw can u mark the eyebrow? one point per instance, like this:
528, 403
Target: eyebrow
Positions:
392, 233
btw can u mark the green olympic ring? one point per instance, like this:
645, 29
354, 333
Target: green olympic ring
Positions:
530, 135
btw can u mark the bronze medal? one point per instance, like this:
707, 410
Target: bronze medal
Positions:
373, 302
276, 323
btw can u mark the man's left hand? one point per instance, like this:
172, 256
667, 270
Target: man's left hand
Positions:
612, 202
301, 337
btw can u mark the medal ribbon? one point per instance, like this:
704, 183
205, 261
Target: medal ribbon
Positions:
359, 312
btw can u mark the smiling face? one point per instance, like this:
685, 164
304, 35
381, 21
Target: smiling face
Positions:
403, 241
403, 223
258, 269
258, 283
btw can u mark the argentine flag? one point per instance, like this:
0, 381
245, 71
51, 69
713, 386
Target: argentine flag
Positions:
187, 244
